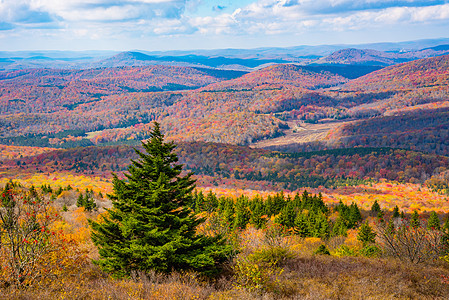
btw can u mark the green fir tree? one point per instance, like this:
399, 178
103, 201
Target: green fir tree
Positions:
433, 223
396, 212
414, 221
366, 234
150, 226
339, 228
375, 208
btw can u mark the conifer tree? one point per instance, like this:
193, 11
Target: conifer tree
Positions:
257, 213
414, 221
87, 201
366, 234
445, 227
287, 216
396, 212
242, 214
354, 215
198, 204
150, 226
339, 228
375, 208
302, 225
433, 222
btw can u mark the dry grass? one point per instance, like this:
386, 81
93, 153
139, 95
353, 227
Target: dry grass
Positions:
297, 274
302, 133
307, 277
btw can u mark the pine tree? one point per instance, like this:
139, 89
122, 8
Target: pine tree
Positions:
354, 215
414, 221
242, 214
257, 213
445, 227
150, 226
366, 234
433, 222
302, 225
375, 208
396, 212
339, 228
287, 216
380, 216
87, 201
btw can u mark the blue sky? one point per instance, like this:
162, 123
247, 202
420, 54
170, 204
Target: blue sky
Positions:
201, 24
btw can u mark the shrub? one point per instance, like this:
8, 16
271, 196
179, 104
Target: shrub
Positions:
344, 250
370, 251
322, 250
411, 241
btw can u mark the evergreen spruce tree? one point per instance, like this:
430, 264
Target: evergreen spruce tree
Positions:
242, 214
445, 227
354, 215
287, 216
366, 234
375, 208
257, 213
87, 201
198, 205
445, 238
339, 228
396, 212
324, 226
302, 225
150, 226
433, 222
211, 202
414, 221
228, 213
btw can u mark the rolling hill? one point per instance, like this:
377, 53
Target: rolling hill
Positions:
66, 108
283, 75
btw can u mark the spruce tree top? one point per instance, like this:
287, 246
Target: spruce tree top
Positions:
375, 208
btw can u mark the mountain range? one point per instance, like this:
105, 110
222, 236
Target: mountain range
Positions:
281, 106
379, 54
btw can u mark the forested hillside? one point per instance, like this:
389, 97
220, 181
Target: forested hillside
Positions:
290, 171
401, 106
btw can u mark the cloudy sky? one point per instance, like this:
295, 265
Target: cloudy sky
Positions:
209, 24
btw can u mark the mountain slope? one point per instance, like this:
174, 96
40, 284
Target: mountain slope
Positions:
280, 76
371, 57
421, 73
50, 90
191, 60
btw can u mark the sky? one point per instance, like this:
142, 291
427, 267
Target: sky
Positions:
212, 24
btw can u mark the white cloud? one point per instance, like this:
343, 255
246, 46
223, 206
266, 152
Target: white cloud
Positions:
283, 16
390, 16
92, 10
113, 19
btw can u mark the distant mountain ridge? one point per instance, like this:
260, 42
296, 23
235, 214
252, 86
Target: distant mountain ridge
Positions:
117, 105
372, 57
282, 75
377, 54
427, 72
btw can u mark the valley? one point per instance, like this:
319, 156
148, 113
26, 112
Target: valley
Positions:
301, 132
